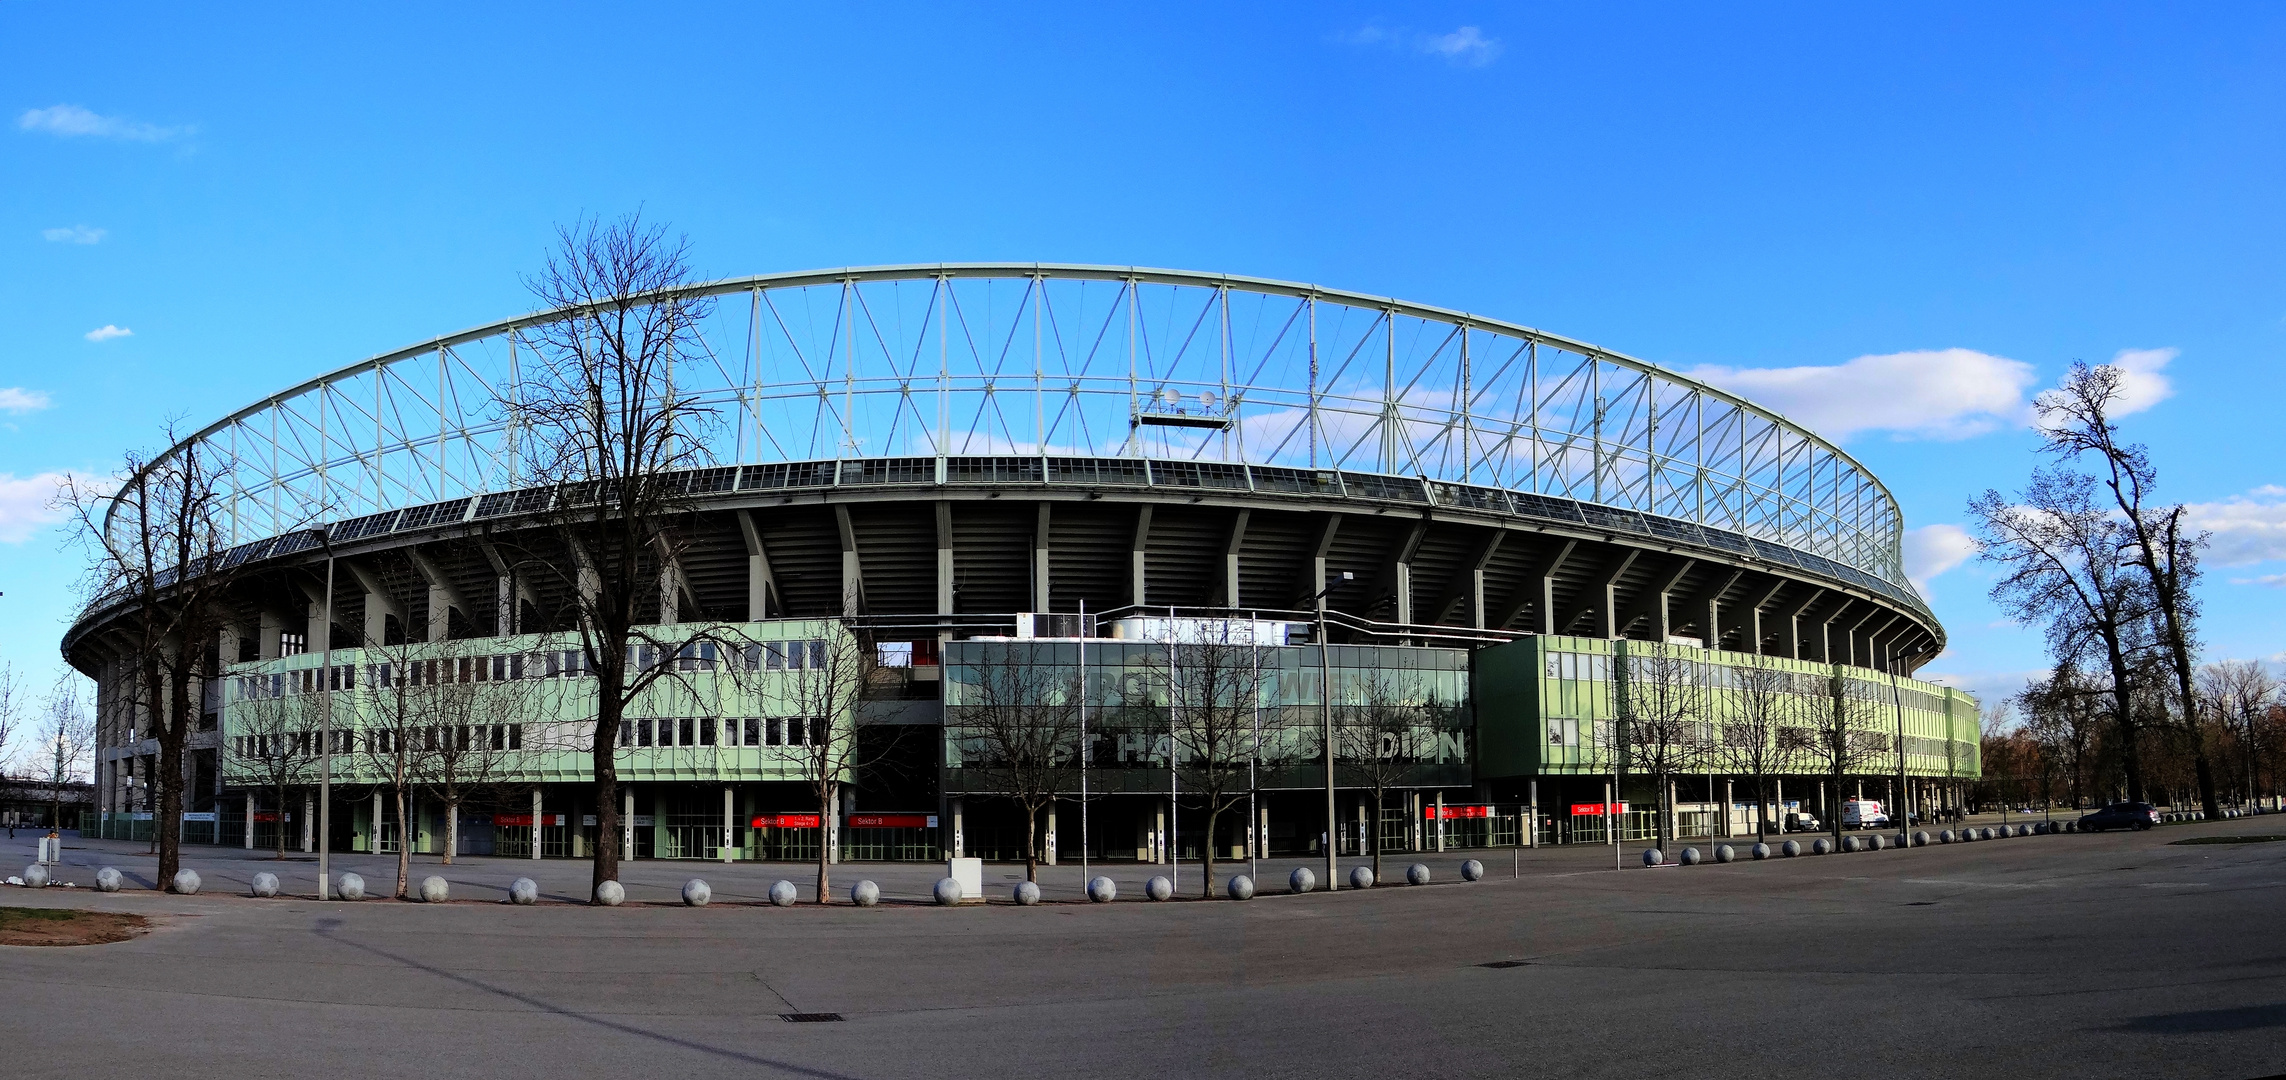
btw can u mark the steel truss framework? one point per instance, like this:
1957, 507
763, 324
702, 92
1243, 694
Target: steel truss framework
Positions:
1091, 361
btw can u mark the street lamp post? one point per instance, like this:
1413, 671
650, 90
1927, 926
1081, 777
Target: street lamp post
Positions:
1325, 708
325, 733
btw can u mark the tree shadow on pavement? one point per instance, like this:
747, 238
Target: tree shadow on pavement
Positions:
2208, 1021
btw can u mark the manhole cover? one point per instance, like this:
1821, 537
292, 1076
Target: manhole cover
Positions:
810, 1018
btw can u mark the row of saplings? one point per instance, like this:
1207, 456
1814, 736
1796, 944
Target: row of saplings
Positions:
1822, 846
697, 893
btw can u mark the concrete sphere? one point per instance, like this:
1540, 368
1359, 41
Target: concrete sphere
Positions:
1159, 888
265, 884
1921, 839
610, 894
1417, 874
186, 882
1725, 853
352, 887
947, 891
1301, 880
1821, 846
1876, 842
108, 879
1791, 848
1851, 843
1102, 890
1027, 894
1239, 887
1988, 834
523, 891
1361, 877
1690, 857
1472, 870
1760, 852
435, 890
1653, 856
782, 894
696, 892
1945, 837
865, 894
36, 876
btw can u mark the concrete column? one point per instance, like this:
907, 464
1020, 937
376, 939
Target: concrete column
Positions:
1040, 593
249, 821
1440, 821
759, 581
1262, 831
1137, 593
1159, 834
944, 560
1729, 800
1364, 835
1611, 815
959, 838
308, 825
1049, 848
538, 823
627, 824
830, 835
729, 825
1531, 837
373, 829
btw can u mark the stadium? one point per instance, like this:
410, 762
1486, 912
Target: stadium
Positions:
947, 463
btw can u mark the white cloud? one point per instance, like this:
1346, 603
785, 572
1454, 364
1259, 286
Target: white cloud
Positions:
2141, 384
106, 332
2275, 581
1933, 549
2244, 529
1927, 393
1990, 687
17, 400
72, 121
1463, 47
27, 504
77, 234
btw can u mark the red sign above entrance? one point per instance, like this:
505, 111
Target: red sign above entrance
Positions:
1453, 813
892, 821
1596, 809
525, 820
786, 821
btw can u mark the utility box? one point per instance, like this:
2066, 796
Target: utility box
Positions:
970, 874
51, 849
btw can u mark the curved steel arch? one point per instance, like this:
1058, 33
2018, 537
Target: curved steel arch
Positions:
1015, 358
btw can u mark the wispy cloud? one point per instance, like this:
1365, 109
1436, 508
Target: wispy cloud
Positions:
1933, 549
2275, 581
28, 504
2244, 529
72, 121
77, 234
106, 332
1927, 393
17, 401
1463, 47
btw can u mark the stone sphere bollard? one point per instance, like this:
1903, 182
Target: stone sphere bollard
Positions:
1690, 857
1102, 890
186, 882
1239, 887
696, 892
865, 894
1653, 856
265, 884
782, 894
610, 894
109, 880
1361, 877
1821, 846
1945, 837
1417, 874
352, 887
946, 892
1851, 844
434, 889
1725, 853
1027, 894
1791, 848
1759, 851
1921, 839
1301, 880
524, 892
36, 876
1159, 888
1876, 842
1472, 870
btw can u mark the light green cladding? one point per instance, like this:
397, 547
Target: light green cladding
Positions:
735, 705
1545, 705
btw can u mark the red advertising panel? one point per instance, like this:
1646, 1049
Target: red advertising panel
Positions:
1453, 813
892, 821
525, 820
1596, 809
786, 821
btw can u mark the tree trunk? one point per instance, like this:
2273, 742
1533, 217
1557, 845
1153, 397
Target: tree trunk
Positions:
452, 830
604, 760
168, 826
825, 841
1206, 850
1031, 842
404, 847
281, 836
1761, 808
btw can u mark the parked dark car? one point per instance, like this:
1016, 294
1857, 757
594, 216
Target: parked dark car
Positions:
2121, 815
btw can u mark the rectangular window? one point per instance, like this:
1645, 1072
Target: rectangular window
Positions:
627, 733
774, 655
777, 731
817, 728
706, 731
1555, 666
1571, 665
515, 736
817, 654
683, 731
1555, 733
1599, 668
753, 731
643, 732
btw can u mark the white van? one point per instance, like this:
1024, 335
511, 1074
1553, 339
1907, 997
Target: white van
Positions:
1863, 814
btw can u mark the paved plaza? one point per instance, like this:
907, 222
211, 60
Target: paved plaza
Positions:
2072, 955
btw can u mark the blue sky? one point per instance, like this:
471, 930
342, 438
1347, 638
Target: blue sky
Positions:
1895, 224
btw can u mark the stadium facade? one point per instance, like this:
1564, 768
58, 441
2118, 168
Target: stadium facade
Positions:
950, 464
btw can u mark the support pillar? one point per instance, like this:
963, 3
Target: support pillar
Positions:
728, 850
538, 823
249, 821
308, 830
1049, 847
627, 824
959, 838
1440, 821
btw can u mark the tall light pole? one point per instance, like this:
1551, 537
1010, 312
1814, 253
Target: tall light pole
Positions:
325, 733
1325, 708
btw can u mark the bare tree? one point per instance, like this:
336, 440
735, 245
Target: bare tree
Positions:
274, 736
1018, 722
1213, 682
157, 540
2060, 557
398, 731
1381, 740
1753, 740
1847, 732
2062, 709
2075, 419
601, 419
2240, 693
1662, 722
822, 686
478, 740
66, 740
11, 712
